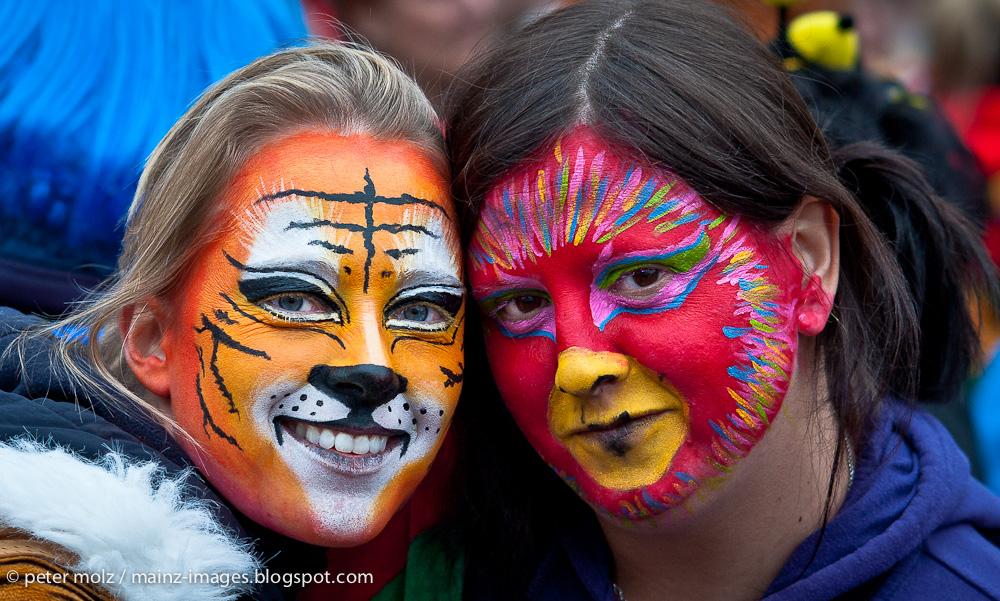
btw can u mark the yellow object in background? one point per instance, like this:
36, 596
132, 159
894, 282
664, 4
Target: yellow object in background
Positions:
825, 38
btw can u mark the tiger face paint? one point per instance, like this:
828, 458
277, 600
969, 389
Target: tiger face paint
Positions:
642, 340
317, 350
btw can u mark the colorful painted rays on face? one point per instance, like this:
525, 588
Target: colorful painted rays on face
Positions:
317, 357
642, 340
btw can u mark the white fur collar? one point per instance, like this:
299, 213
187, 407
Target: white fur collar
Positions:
120, 516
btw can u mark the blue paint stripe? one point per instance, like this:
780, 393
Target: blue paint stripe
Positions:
720, 431
639, 259
676, 302
687, 218
576, 215
651, 501
644, 195
506, 204
601, 192
481, 257
742, 374
543, 333
663, 209
735, 332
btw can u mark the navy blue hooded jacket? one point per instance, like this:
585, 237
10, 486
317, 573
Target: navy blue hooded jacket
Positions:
914, 525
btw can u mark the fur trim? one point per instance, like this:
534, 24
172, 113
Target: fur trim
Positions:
120, 516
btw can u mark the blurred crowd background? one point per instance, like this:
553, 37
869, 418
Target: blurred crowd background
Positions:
87, 90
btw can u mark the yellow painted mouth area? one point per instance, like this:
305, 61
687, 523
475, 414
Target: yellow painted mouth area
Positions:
616, 418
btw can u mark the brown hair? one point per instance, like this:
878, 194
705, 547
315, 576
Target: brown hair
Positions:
343, 88
683, 86
686, 88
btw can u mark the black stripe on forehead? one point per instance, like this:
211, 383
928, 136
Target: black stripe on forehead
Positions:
366, 196
369, 198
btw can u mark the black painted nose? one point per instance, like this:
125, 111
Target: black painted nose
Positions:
362, 387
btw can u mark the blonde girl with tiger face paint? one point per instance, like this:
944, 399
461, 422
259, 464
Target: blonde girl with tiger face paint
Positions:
289, 301
314, 352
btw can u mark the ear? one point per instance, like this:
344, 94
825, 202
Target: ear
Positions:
815, 242
144, 328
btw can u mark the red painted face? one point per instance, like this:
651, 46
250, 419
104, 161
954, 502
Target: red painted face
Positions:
642, 340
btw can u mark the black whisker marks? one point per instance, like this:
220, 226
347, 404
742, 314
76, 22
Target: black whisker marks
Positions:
224, 317
303, 329
207, 420
454, 335
226, 339
397, 253
453, 378
335, 248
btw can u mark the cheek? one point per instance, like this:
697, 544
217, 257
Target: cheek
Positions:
434, 374
687, 346
524, 369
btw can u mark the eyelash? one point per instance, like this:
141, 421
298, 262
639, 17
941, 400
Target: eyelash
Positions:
332, 314
446, 303
542, 323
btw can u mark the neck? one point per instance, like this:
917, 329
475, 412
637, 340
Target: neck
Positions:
735, 539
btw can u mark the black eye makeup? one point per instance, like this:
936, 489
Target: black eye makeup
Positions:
430, 309
291, 298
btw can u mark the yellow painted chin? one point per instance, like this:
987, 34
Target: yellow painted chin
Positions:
624, 430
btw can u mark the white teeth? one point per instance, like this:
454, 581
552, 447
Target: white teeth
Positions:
345, 443
327, 439
342, 441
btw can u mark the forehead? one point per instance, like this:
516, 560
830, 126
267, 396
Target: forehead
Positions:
336, 164
318, 195
580, 194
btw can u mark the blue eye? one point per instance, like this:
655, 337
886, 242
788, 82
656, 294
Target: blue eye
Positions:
431, 309
301, 307
290, 303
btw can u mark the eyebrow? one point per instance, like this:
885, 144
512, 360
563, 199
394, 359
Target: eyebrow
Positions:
417, 278
312, 269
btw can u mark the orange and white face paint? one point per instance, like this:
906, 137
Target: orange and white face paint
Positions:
316, 356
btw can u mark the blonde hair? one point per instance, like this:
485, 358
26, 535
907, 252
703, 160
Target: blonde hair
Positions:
344, 88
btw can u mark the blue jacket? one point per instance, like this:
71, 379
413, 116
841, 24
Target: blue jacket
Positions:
915, 525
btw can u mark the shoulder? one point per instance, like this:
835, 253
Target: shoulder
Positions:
958, 562
121, 518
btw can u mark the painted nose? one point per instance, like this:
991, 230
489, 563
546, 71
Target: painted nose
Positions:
361, 387
582, 372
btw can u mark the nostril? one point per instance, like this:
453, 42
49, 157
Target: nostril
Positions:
361, 386
348, 388
601, 380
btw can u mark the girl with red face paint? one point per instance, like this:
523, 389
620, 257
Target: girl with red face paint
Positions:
694, 313
282, 338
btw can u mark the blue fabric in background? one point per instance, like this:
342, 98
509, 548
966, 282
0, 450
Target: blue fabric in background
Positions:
984, 408
87, 89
